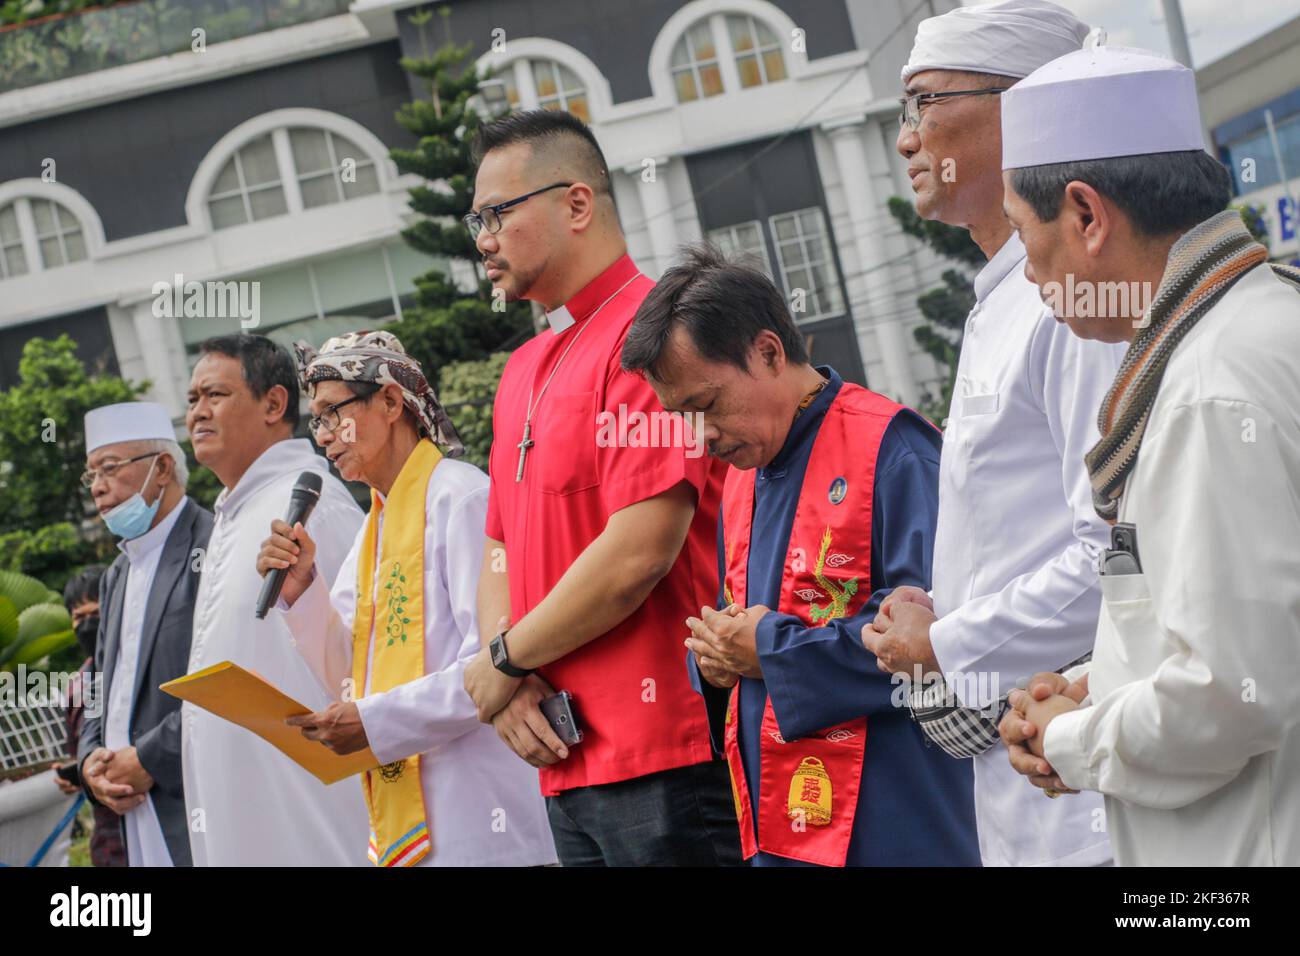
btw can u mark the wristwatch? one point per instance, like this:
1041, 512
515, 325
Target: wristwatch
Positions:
501, 659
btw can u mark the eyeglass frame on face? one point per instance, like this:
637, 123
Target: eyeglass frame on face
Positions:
913, 102
475, 222
109, 468
316, 421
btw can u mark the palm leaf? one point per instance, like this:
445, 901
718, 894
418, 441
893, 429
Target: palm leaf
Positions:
41, 619
35, 623
44, 646
8, 621
22, 589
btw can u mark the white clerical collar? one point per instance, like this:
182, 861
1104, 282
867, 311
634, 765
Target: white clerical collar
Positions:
560, 319
155, 537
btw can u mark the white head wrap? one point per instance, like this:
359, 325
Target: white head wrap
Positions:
1011, 38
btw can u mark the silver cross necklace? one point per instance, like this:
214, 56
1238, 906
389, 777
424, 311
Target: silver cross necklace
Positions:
528, 441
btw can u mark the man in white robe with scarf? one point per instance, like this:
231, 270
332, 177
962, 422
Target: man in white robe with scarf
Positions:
1187, 719
390, 640
249, 804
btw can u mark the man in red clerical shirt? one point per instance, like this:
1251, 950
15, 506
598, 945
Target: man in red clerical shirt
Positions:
606, 534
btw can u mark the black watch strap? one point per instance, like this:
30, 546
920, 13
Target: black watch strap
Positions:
501, 658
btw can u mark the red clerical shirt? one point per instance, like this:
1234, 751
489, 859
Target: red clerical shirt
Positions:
631, 691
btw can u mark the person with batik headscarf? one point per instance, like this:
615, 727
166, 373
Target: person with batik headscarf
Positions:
390, 639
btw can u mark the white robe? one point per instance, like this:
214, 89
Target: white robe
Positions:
1193, 728
482, 802
249, 804
1015, 582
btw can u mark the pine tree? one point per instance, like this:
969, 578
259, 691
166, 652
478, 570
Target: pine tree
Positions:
946, 307
447, 323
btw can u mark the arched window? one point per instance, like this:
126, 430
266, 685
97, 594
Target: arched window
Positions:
289, 168
249, 186
40, 228
702, 58
758, 53
545, 84
13, 261
695, 64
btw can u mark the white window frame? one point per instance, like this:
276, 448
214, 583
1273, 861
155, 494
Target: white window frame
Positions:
291, 184
58, 233
758, 51
526, 85
732, 245
23, 242
242, 189
335, 167
721, 56
30, 237
814, 296
562, 96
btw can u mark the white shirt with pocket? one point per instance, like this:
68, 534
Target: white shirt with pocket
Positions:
1193, 726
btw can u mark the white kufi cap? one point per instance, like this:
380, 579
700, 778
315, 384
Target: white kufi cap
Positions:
1099, 103
127, 421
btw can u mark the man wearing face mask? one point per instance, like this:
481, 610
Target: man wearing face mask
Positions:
130, 747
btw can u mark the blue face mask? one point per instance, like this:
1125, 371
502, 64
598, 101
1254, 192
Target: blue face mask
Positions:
133, 517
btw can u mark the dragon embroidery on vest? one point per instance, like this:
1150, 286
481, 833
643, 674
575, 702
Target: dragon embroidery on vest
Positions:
840, 594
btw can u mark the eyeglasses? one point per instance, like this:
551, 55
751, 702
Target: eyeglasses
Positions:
330, 417
489, 217
109, 468
911, 113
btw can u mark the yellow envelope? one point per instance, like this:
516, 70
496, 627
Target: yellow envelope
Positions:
243, 698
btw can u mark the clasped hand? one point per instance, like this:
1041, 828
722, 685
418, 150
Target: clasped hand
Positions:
1024, 726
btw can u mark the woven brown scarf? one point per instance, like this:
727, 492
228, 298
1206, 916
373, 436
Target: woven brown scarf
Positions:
1203, 265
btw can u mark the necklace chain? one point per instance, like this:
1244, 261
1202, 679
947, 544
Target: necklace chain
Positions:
808, 399
532, 405
528, 441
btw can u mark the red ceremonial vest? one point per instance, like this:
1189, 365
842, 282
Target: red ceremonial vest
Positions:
808, 788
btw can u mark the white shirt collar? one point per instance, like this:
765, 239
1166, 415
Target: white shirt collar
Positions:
1009, 257
281, 457
154, 538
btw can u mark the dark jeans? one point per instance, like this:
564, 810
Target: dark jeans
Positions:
680, 817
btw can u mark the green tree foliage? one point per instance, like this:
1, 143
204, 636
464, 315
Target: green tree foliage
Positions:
1253, 216
53, 553
944, 307
20, 11
42, 437
447, 324
42, 503
467, 392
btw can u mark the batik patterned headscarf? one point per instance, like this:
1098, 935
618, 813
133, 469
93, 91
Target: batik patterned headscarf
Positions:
379, 357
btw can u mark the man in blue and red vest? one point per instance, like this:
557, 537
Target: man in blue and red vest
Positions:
830, 502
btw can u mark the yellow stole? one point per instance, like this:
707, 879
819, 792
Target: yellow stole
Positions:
399, 828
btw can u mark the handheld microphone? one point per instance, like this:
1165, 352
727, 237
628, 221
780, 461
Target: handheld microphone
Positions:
301, 502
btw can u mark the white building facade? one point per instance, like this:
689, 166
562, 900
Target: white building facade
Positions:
766, 127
